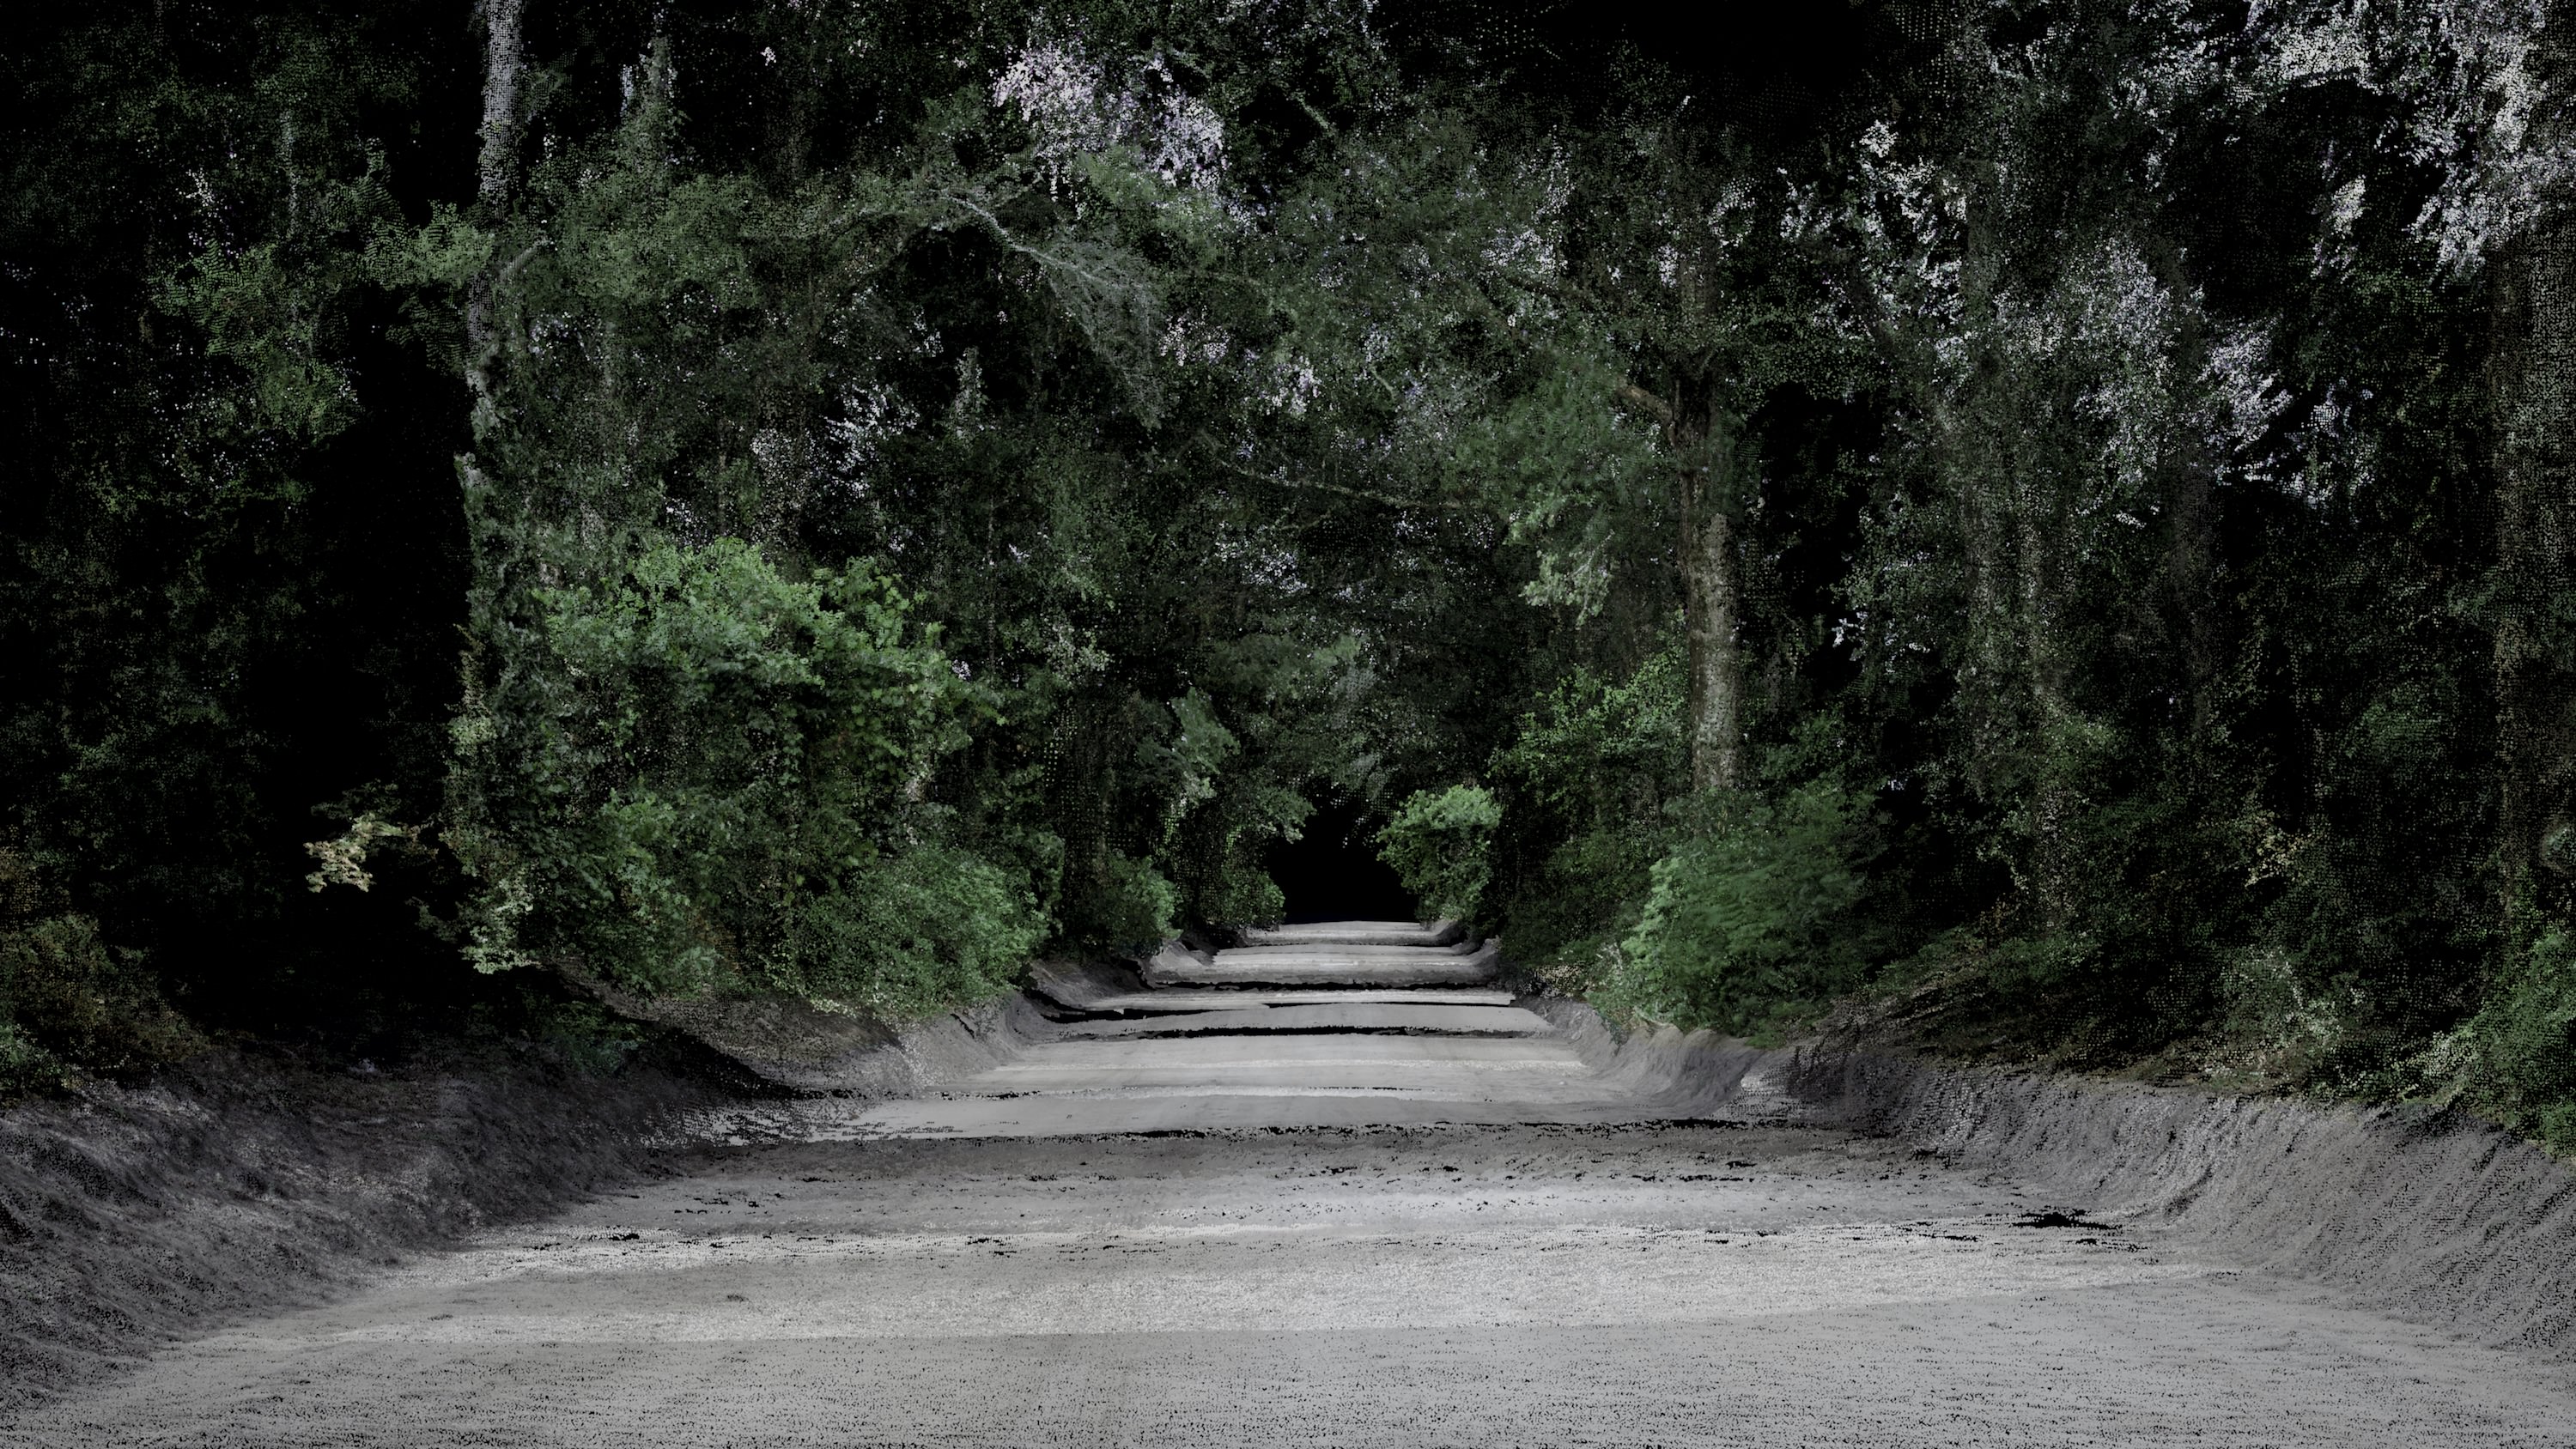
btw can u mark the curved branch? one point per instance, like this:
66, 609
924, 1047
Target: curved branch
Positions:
1311, 485
1637, 398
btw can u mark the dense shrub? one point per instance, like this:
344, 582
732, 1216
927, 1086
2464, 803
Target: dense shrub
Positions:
1757, 917
71, 1003
1131, 908
926, 928
1441, 846
2524, 1044
720, 792
1237, 891
1587, 777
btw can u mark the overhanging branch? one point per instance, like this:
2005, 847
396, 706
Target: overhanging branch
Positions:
1315, 486
1632, 396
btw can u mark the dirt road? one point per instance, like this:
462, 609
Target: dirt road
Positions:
1573, 1279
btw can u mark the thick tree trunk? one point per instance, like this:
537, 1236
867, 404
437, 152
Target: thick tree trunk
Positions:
2534, 387
500, 98
501, 122
2052, 796
1703, 439
1985, 666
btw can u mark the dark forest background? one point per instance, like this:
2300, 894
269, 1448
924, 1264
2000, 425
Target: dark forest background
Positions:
2045, 524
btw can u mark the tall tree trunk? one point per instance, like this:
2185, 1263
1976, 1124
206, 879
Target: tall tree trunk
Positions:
492, 915
2533, 379
494, 175
2037, 526
2011, 678
1704, 440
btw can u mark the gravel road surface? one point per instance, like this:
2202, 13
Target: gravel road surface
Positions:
1417, 1279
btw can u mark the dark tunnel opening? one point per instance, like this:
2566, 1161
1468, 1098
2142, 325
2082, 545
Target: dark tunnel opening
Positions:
1331, 872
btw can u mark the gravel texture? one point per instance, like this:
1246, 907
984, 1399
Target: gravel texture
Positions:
1378, 1225
1682, 1284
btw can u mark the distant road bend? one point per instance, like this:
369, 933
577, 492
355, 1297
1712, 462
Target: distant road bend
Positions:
1333, 1187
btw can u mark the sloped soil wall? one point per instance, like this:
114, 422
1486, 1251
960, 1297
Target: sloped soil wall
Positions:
2431, 1216
236, 1186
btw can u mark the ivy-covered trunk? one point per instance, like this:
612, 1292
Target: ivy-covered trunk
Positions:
2534, 382
1704, 442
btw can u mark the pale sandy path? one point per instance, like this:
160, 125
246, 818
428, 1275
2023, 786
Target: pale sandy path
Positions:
1429, 1283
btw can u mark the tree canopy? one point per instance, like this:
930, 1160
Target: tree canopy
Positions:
2045, 522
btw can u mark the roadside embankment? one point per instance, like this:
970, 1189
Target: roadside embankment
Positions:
131, 1215
2430, 1215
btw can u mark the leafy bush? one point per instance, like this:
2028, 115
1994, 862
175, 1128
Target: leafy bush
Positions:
1758, 919
717, 788
1588, 775
928, 928
1131, 908
1601, 750
1237, 891
68, 1001
1214, 815
24, 1066
1441, 846
2525, 1044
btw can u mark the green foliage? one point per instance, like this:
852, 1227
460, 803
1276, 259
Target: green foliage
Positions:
1131, 909
2520, 1057
1759, 918
713, 793
929, 928
232, 570
962, 345
24, 1066
1599, 750
2143, 500
1588, 776
69, 1001
1241, 893
1441, 845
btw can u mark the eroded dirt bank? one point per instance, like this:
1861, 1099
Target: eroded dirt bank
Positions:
1704, 1283
132, 1216
2432, 1215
